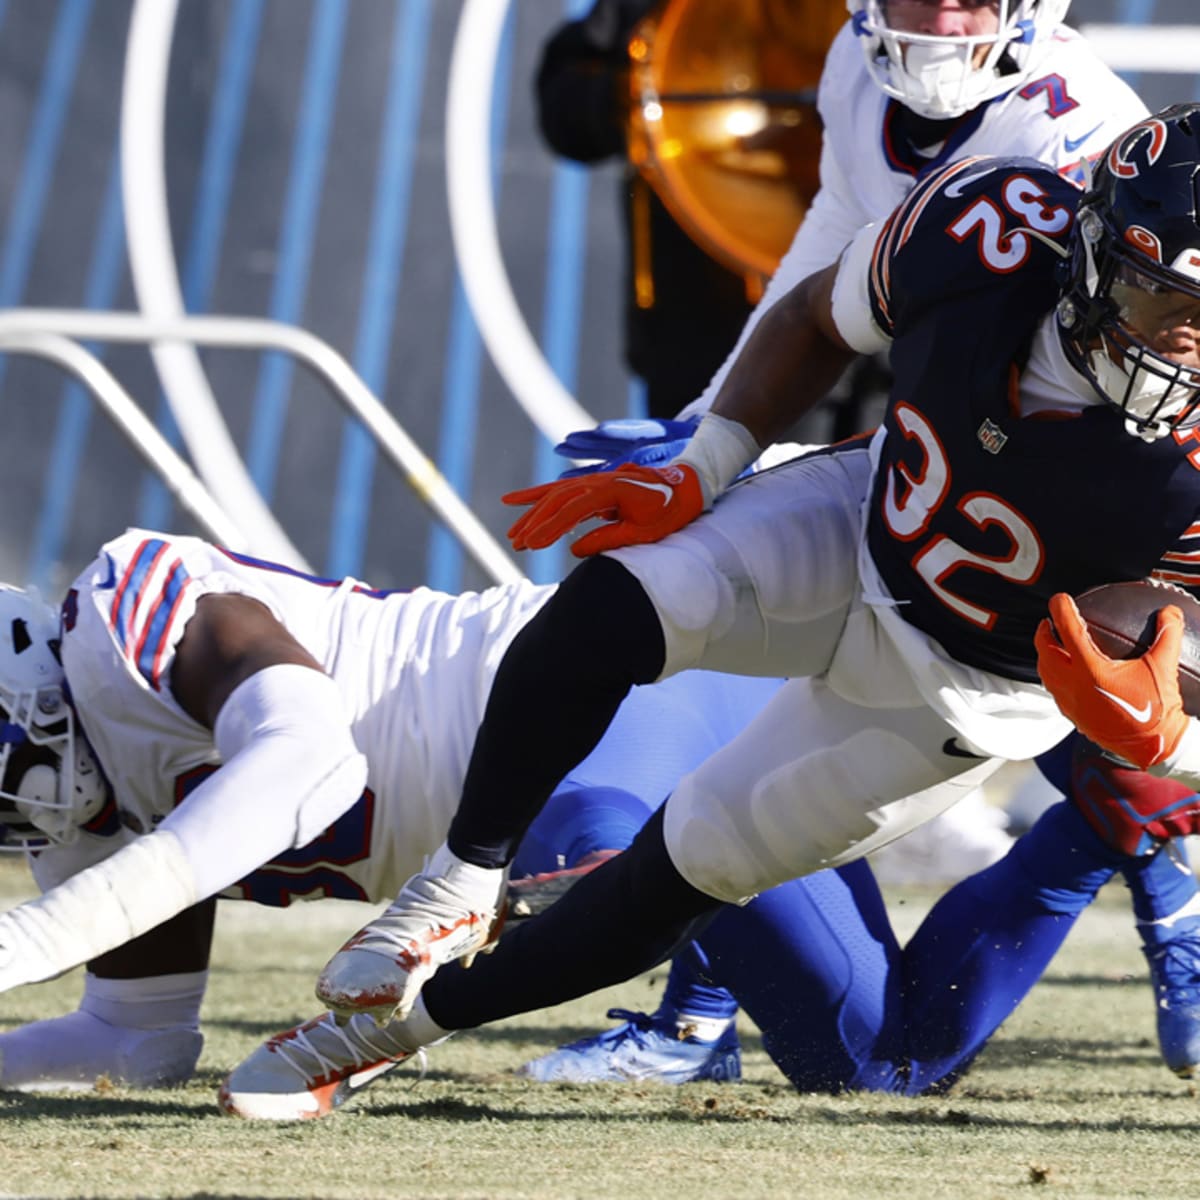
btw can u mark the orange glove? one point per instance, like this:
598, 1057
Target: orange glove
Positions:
1130, 707
641, 504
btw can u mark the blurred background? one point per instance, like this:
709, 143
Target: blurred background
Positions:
288, 160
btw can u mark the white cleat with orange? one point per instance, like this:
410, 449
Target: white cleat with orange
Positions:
311, 1070
451, 910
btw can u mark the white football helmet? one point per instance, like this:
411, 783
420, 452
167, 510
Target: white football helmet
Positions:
937, 76
50, 784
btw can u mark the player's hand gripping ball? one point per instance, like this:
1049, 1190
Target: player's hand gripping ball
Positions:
1123, 662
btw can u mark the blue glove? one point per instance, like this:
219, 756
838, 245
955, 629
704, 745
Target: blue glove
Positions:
646, 443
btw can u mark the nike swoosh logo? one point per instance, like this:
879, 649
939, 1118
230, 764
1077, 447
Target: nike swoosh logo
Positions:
954, 189
360, 1079
952, 749
1073, 144
661, 488
1140, 715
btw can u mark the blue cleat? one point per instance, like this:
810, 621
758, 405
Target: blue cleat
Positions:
1175, 976
645, 1049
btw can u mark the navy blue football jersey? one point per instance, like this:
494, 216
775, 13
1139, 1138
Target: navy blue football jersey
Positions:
979, 515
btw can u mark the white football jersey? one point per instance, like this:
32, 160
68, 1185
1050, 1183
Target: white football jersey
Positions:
1071, 108
414, 670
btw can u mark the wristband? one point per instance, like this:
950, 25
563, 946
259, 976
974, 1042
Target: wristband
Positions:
718, 452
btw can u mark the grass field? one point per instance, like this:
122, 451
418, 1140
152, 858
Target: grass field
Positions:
1069, 1100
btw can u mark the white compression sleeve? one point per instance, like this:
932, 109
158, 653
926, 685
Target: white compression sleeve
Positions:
289, 769
124, 896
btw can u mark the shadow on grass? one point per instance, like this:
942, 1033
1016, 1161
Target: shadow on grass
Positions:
717, 1107
1026, 1051
551, 1035
78, 1106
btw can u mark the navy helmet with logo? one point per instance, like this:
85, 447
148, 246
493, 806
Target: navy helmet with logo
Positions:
1132, 291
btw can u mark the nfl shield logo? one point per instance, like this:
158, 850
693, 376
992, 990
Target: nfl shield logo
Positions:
991, 437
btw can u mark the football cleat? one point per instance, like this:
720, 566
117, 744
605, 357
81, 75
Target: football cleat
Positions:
312, 1069
451, 910
533, 894
644, 1049
1175, 976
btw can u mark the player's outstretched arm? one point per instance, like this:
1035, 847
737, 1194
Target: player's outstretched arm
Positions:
788, 365
289, 769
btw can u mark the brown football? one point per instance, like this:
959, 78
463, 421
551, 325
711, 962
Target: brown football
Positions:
1121, 617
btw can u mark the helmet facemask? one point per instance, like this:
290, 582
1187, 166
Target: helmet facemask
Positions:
1134, 278
942, 76
50, 783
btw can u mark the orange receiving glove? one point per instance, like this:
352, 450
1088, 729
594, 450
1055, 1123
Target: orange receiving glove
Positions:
1130, 707
641, 504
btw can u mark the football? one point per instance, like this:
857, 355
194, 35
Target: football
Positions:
1121, 617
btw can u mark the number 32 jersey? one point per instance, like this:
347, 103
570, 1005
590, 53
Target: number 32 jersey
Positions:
1001, 478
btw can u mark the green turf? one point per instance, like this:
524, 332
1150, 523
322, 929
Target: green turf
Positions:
1069, 1100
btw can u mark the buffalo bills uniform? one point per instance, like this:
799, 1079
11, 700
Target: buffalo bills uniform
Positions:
1072, 108
414, 670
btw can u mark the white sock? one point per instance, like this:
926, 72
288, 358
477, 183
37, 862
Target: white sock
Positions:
703, 1029
152, 1002
418, 1028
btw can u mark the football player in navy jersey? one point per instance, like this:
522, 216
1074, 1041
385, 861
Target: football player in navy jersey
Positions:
1038, 441
258, 733
269, 736
908, 87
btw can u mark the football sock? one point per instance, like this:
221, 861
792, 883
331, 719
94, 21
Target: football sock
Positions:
988, 940
152, 1002
621, 919
1164, 891
577, 822
557, 688
812, 962
691, 1000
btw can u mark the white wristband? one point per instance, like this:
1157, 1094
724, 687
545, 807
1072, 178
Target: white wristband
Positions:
1184, 764
718, 452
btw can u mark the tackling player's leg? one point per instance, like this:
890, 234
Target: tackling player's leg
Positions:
599, 616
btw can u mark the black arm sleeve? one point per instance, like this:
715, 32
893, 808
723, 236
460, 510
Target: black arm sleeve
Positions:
558, 687
579, 81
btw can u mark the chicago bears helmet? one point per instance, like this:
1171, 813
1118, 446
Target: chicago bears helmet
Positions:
1133, 275
938, 75
50, 784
